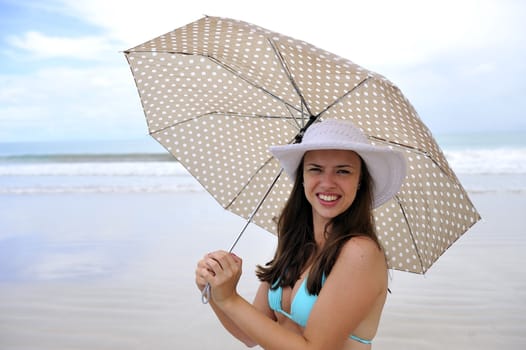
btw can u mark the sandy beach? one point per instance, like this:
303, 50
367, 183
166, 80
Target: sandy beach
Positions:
115, 271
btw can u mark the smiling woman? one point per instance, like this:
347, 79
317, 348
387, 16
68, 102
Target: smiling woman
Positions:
326, 285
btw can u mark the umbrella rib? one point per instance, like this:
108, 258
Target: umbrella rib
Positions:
240, 76
248, 182
413, 240
289, 75
416, 150
345, 95
230, 114
231, 70
403, 145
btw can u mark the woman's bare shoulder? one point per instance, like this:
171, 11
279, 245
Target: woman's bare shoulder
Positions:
362, 250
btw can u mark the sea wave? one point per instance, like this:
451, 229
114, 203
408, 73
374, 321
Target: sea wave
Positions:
479, 169
464, 161
94, 169
505, 160
80, 189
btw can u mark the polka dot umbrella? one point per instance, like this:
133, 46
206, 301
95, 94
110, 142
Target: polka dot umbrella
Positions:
218, 92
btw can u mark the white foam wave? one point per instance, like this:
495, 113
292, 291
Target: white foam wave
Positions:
94, 169
480, 170
462, 161
101, 189
488, 161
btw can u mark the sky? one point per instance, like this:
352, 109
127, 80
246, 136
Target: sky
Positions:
63, 75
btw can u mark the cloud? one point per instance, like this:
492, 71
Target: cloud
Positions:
41, 46
66, 103
374, 32
452, 59
378, 33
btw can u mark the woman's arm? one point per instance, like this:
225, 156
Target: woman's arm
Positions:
353, 293
356, 281
231, 327
260, 303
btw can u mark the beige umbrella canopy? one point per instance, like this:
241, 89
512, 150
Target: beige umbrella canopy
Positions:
218, 92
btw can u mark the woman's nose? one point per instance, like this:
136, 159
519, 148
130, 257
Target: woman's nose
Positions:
327, 178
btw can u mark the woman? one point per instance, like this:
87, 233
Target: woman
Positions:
327, 283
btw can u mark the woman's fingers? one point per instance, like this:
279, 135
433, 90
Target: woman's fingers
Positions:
218, 268
213, 264
200, 277
222, 261
206, 269
222, 264
222, 272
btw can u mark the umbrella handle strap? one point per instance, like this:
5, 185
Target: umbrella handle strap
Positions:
205, 294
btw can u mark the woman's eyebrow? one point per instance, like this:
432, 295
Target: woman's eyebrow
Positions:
336, 166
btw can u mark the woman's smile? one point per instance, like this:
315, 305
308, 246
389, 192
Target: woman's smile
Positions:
328, 198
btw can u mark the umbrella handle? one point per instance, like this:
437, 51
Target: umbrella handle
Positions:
205, 294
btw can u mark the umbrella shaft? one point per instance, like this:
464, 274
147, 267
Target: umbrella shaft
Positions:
249, 220
205, 295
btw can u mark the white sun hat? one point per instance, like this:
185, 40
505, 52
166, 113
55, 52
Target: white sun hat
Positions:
386, 166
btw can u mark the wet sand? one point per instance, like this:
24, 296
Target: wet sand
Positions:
115, 271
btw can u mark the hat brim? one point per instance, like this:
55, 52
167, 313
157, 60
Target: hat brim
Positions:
387, 167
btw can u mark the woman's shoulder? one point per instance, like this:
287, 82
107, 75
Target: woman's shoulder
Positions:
361, 250
361, 263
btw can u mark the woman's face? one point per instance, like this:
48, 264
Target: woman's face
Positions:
331, 180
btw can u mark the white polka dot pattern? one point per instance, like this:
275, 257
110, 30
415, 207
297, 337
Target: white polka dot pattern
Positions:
218, 92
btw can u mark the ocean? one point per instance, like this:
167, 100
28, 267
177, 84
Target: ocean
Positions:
490, 162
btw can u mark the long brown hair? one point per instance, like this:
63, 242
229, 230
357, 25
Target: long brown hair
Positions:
297, 246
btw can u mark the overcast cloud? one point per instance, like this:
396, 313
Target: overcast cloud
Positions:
63, 75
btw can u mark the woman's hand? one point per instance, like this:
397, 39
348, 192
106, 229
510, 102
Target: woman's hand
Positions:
199, 273
222, 271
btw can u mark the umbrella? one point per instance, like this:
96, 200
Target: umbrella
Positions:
218, 92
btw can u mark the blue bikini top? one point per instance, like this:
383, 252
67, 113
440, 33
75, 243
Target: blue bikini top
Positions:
301, 305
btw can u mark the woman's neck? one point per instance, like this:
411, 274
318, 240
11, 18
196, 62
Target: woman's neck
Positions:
320, 226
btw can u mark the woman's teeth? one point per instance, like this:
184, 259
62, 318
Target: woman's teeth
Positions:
327, 197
